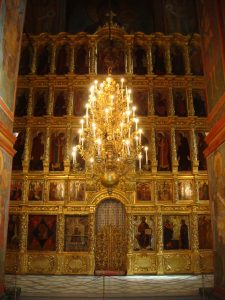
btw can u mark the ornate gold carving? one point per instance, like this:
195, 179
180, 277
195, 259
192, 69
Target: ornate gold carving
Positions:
206, 262
177, 263
76, 264
144, 263
41, 264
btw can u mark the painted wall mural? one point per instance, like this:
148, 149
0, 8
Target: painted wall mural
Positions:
5, 175
11, 21
216, 167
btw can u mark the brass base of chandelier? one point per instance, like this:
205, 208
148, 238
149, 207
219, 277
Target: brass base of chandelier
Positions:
110, 179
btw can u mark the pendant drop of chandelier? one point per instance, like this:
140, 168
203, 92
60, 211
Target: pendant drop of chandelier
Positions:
109, 137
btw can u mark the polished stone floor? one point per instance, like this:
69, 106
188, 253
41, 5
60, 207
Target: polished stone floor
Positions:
113, 287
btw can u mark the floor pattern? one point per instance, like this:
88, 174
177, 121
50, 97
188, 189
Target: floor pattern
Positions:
100, 287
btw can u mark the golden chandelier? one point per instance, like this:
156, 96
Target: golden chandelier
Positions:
109, 137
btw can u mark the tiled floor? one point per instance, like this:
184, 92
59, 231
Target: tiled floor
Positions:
98, 287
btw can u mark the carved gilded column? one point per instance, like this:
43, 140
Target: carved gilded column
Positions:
47, 150
60, 242
93, 58
128, 59
34, 59
23, 243
194, 152
159, 238
151, 109
153, 151
70, 100
26, 156
176, 192
196, 186
195, 242
190, 102
30, 102
171, 111
168, 58
53, 61
186, 59
174, 151
92, 240
130, 243
50, 100
149, 59
72, 59
68, 150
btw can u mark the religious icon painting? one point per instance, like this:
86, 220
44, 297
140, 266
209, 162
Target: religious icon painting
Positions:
37, 150
185, 189
180, 102
22, 96
77, 163
77, 190
60, 103
14, 224
40, 102
79, 100
35, 190
203, 190
183, 151
163, 150
41, 233
199, 103
81, 59
143, 191
201, 146
140, 101
17, 163
158, 59
205, 232
139, 60
16, 192
164, 190
76, 233
176, 232
196, 60
62, 59
57, 150
143, 232
57, 190
160, 102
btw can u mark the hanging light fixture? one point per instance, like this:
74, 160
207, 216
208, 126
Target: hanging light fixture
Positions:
109, 137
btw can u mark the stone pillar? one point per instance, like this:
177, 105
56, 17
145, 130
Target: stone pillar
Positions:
174, 152
168, 59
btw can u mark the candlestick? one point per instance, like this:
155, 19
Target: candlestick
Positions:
140, 157
146, 154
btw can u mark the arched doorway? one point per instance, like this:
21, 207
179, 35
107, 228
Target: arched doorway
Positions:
111, 238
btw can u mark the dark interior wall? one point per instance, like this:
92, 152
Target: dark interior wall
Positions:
147, 16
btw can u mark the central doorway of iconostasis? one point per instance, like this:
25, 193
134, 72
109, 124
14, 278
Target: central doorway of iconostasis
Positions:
111, 238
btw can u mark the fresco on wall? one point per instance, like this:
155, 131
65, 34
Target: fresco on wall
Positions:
176, 232
11, 20
13, 232
204, 232
41, 233
76, 233
5, 174
143, 232
212, 50
216, 170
